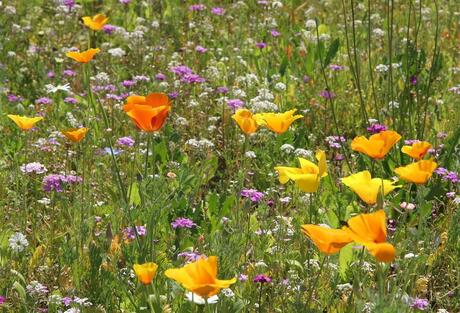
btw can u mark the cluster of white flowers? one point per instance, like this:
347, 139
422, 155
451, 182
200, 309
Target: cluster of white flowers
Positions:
101, 78
303, 153
18, 242
35, 289
117, 52
200, 144
263, 102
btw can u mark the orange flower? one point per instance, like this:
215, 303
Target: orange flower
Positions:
83, 57
96, 22
75, 135
148, 113
277, 122
378, 145
418, 172
145, 272
417, 150
244, 119
327, 240
200, 277
370, 230
366, 229
24, 122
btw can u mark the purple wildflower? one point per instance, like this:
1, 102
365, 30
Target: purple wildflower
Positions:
222, 89
336, 67
181, 70
67, 301
275, 33
261, 45
261, 278
109, 29
173, 95
70, 100
242, 278
413, 80
2, 299
126, 141
69, 3
33, 167
253, 194
50, 74
376, 128
13, 98
218, 11
335, 142
410, 142
189, 256
43, 100
182, 222
197, 7
160, 77
128, 83
69, 73
130, 234
419, 304
55, 181
125, 1
200, 49
306, 79
192, 78
326, 94
235, 103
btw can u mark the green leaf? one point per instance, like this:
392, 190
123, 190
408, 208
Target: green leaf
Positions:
283, 66
133, 194
331, 53
345, 258
21, 291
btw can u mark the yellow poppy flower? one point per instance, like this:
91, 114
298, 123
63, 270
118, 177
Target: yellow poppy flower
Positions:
327, 240
96, 22
378, 145
245, 120
418, 172
24, 122
200, 277
370, 230
277, 122
148, 113
367, 188
417, 150
75, 135
306, 177
145, 272
83, 57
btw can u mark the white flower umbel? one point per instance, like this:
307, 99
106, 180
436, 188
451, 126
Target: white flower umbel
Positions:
18, 242
193, 297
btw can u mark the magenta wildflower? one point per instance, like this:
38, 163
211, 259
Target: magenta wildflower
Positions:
69, 73
261, 45
34, 167
376, 128
129, 233
55, 182
235, 103
190, 256
253, 194
336, 67
326, 94
69, 4
275, 33
109, 29
160, 76
13, 98
50, 74
200, 49
128, 83
182, 222
222, 89
43, 100
242, 278
2, 299
218, 11
126, 141
70, 100
261, 278
197, 7
419, 304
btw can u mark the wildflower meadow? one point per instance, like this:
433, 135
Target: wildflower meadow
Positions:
229, 156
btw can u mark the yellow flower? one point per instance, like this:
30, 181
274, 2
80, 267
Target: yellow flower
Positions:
244, 118
145, 272
367, 188
277, 122
96, 22
75, 135
366, 229
417, 150
378, 145
83, 57
200, 277
370, 230
327, 240
24, 122
306, 177
418, 172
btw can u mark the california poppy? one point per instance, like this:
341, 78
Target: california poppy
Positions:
277, 122
145, 272
75, 134
24, 122
96, 22
370, 230
417, 150
418, 172
200, 277
327, 240
244, 119
306, 177
83, 57
148, 113
378, 145
367, 188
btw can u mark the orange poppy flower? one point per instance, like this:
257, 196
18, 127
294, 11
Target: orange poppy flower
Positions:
83, 57
378, 145
277, 122
145, 272
96, 22
200, 277
327, 240
75, 135
244, 119
418, 172
24, 122
148, 113
370, 230
417, 150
